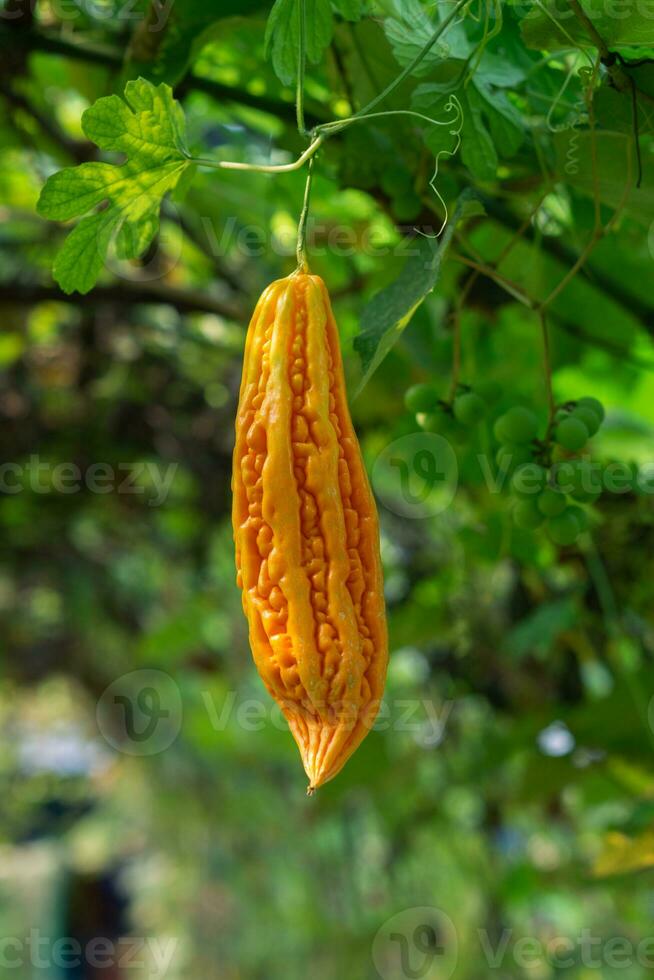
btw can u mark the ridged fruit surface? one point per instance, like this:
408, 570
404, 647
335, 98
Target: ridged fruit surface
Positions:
306, 529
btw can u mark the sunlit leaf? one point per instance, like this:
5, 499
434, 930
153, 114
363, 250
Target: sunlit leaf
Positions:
148, 127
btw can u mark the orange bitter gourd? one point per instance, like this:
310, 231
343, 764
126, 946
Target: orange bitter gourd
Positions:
306, 529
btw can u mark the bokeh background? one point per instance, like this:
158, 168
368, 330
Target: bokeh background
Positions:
502, 810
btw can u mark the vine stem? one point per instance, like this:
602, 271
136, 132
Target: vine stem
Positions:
366, 111
599, 230
456, 350
471, 279
265, 168
301, 68
321, 132
456, 333
443, 26
547, 365
302, 264
491, 273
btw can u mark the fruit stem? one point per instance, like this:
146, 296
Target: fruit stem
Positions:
302, 264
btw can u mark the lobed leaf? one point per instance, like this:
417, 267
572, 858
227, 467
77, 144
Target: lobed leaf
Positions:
149, 128
412, 28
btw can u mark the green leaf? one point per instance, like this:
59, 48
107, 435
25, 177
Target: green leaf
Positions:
491, 123
506, 124
410, 30
477, 148
283, 35
500, 71
164, 50
389, 311
616, 171
369, 62
637, 54
537, 633
352, 10
149, 128
447, 78
554, 24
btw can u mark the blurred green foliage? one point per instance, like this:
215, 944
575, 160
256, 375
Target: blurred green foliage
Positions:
508, 781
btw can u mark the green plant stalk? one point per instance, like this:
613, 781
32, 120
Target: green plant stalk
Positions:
301, 69
410, 67
547, 366
264, 168
320, 133
323, 131
302, 264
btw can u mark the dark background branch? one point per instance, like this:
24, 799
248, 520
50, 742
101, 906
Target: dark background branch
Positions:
126, 293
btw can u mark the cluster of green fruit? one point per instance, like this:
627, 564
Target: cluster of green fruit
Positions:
577, 421
543, 497
543, 490
468, 409
574, 424
546, 492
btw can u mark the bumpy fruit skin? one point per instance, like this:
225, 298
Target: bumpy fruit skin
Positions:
306, 529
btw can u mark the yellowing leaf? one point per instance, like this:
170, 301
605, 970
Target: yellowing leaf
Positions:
622, 854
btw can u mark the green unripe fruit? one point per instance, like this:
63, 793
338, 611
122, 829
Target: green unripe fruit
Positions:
590, 419
421, 398
490, 391
565, 475
430, 421
526, 515
565, 528
509, 457
453, 430
529, 480
518, 425
581, 517
586, 482
469, 408
551, 502
571, 434
442, 423
594, 404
